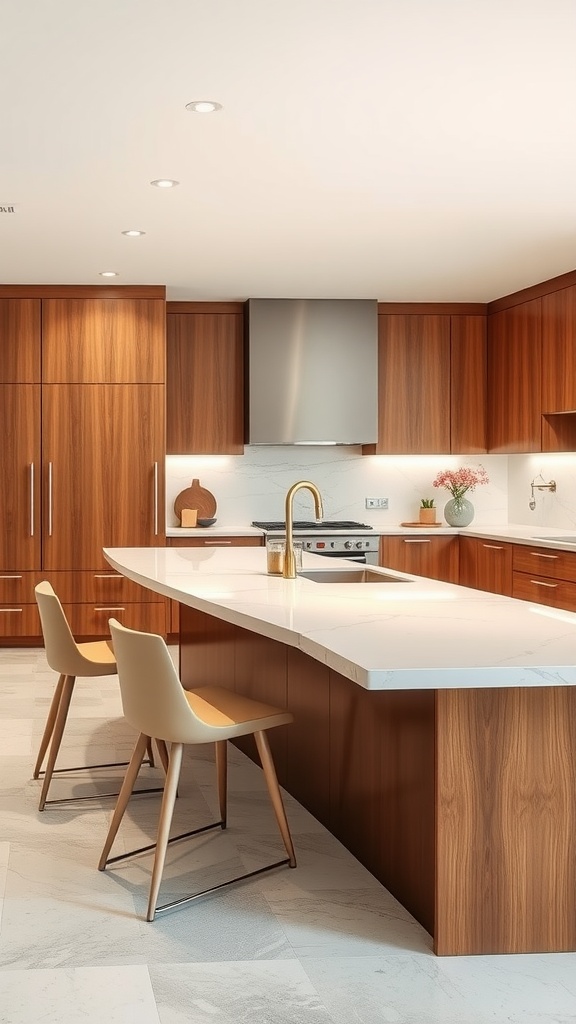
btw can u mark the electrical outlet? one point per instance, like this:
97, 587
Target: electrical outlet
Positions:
376, 503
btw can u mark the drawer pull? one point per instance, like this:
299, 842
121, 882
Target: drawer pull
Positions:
11, 609
214, 543
109, 609
540, 583
538, 554
493, 547
31, 499
108, 576
422, 541
10, 577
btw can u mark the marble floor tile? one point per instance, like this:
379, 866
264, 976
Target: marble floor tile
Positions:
15, 737
4, 854
237, 993
92, 995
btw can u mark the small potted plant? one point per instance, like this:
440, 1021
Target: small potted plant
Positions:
427, 511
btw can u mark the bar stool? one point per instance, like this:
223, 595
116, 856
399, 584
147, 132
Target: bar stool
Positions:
70, 660
156, 704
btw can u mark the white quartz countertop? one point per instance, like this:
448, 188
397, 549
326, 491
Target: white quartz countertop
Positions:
540, 536
412, 634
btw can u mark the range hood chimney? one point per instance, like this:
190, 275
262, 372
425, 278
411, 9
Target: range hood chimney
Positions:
312, 371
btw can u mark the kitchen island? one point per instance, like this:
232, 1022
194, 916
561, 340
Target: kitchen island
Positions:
435, 730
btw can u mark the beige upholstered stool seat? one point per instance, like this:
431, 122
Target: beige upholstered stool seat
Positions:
156, 704
69, 659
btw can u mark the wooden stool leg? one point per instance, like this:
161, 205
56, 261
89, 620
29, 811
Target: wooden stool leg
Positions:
275, 794
166, 812
150, 753
49, 727
222, 777
124, 796
163, 753
61, 716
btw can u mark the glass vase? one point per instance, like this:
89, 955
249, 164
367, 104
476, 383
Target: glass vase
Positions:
458, 512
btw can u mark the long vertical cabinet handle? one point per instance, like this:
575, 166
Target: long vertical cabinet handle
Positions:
49, 499
155, 499
31, 499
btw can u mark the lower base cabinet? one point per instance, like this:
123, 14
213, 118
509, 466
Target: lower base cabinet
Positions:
435, 557
486, 565
545, 577
89, 600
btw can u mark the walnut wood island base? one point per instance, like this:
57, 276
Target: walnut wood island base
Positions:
462, 802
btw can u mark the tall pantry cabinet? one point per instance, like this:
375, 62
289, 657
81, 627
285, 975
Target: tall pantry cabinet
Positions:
82, 382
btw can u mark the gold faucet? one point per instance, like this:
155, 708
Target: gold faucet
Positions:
289, 571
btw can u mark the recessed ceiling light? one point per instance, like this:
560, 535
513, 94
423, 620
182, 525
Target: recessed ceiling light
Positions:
108, 273
164, 183
132, 233
203, 106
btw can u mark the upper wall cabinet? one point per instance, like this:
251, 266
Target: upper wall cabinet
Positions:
19, 341
514, 378
103, 341
205, 378
559, 351
432, 383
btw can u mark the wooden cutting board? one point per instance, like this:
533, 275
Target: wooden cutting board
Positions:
196, 497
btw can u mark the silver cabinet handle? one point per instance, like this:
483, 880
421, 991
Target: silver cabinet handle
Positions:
10, 576
538, 554
155, 499
31, 499
11, 609
214, 543
108, 576
422, 540
109, 609
540, 583
493, 547
49, 499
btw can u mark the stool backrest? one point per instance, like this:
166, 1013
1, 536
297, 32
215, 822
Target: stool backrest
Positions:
153, 699
61, 648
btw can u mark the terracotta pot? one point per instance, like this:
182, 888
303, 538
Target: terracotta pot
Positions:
427, 515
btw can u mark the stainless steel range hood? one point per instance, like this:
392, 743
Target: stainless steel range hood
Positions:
312, 371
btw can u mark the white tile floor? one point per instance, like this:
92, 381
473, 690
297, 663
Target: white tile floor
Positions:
324, 944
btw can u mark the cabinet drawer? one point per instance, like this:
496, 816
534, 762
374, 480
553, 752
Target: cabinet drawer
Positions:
92, 620
18, 587
435, 557
98, 586
19, 620
559, 564
215, 542
544, 590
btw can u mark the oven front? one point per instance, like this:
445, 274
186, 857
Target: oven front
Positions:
362, 550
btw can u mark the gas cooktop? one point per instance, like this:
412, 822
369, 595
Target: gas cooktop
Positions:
324, 525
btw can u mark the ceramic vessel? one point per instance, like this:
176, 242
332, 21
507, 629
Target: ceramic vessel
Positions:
458, 512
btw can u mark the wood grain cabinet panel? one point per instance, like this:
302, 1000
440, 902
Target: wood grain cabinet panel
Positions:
413, 384
103, 471
88, 620
468, 384
19, 341
436, 557
514, 378
205, 384
219, 541
103, 341
559, 351
486, 565
20, 477
545, 576
19, 621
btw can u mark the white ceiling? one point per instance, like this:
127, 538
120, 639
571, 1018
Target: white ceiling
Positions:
404, 150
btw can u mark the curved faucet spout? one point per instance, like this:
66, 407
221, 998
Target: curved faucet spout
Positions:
289, 571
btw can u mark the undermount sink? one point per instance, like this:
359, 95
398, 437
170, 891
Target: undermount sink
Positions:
350, 576
555, 540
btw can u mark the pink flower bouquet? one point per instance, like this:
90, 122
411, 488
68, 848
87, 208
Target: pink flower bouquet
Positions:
460, 480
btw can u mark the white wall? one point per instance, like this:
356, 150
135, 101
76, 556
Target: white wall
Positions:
254, 485
557, 509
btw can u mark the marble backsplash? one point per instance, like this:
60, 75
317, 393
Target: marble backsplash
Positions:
556, 509
254, 485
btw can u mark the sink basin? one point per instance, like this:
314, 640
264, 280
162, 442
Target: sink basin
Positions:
558, 540
350, 576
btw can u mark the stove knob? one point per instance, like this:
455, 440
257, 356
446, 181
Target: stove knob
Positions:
358, 543
347, 544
